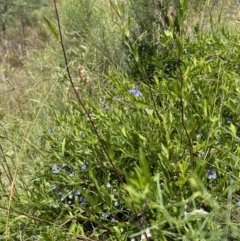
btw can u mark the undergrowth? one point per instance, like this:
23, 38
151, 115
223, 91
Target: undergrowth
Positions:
148, 150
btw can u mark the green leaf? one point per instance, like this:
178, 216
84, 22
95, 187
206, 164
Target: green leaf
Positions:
177, 88
135, 53
181, 181
168, 33
233, 129
63, 146
183, 4
164, 151
92, 176
159, 196
180, 46
73, 227
126, 29
183, 167
144, 166
205, 109
20, 217
2, 116
129, 47
51, 28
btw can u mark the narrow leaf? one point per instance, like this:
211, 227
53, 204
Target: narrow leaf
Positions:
135, 53
177, 88
233, 129
51, 28
63, 146
144, 166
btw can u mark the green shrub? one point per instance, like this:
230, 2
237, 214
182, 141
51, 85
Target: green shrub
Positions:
163, 179
158, 156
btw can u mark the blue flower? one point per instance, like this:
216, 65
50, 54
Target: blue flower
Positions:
81, 133
83, 201
53, 204
22, 228
136, 92
201, 153
52, 146
199, 136
238, 203
220, 143
104, 105
50, 132
228, 120
105, 215
84, 167
184, 214
78, 193
113, 220
212, 174
67, 168
55, 188
55, 169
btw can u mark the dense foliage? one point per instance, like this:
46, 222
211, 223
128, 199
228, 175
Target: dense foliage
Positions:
151, 150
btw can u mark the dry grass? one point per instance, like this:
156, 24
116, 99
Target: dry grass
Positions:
17, 80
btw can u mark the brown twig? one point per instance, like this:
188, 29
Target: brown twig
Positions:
183, 114
81, 101
26, 215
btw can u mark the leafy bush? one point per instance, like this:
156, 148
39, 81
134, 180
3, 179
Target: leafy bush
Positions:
154, 159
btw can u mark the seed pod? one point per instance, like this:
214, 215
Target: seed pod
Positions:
84, 79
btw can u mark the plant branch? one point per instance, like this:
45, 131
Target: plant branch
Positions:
80, 100
183, 114
26, 215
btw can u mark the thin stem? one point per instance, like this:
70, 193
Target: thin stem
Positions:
87, 112
80, 100
190, 146
26, 215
